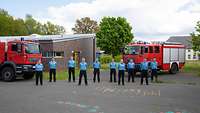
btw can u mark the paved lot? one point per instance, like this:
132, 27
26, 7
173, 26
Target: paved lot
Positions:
177, 94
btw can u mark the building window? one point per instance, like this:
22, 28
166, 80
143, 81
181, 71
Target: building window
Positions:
189, 56
47, 54
194, 56
157, 49
50, 54
199, 56
59, 54
189, 50
150, 49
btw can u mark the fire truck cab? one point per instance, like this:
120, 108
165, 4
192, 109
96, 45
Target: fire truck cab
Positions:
170, 56
18, 57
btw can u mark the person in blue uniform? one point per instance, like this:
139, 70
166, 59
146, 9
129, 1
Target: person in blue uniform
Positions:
121, 72
39, 72
96, 66
154, 66
83, 71
131, 69
71, 69
144, 71
113, 67
52, 70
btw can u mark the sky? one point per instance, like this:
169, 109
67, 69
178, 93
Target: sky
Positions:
151, 20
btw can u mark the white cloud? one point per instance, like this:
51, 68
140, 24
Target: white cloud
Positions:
148, 18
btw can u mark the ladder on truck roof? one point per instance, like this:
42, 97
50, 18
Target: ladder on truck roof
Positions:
172, 43
166, 43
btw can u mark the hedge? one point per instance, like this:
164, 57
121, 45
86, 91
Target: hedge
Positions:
105, 59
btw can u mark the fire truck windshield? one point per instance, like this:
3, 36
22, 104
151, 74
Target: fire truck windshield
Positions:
132, 50
32, 48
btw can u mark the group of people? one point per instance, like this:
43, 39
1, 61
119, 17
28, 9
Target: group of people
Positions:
145, 66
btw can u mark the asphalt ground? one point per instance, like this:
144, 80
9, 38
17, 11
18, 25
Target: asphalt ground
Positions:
178, 93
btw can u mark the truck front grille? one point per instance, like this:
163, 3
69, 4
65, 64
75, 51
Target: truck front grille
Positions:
33, 60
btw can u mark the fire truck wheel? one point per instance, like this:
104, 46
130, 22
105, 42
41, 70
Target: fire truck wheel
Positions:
174, 68
8, 74
28, 76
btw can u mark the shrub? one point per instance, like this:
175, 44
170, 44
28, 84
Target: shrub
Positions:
104, 66
118, 58
104, 59
198, 74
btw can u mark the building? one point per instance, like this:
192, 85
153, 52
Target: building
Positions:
186, 40
62, 47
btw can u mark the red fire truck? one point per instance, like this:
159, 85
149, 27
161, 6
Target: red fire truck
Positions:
170, 56
18, 57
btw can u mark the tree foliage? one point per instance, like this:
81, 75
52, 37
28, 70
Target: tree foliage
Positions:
52, 29
114, 34
10, 26
196, 38
85, 26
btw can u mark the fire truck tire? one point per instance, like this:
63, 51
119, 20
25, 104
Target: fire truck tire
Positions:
174, 68
28, 76
8, 74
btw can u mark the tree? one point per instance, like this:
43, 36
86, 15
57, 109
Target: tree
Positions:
44, 29
196, 38
5, 22
51, 29
114, 34
10, 26
32, 25
19, 27
85, 26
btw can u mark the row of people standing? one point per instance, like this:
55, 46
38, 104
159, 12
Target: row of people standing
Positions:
121, 71
71, 70
96, 65
144, 66
83, 70
39, 71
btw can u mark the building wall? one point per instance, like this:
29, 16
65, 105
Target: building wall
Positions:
45, 46
192, 55
87, 50
67, 47
83, 46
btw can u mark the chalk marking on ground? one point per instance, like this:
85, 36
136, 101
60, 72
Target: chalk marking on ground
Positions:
132, 92
89, 108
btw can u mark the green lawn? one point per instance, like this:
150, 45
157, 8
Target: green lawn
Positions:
192, 67
62, 75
